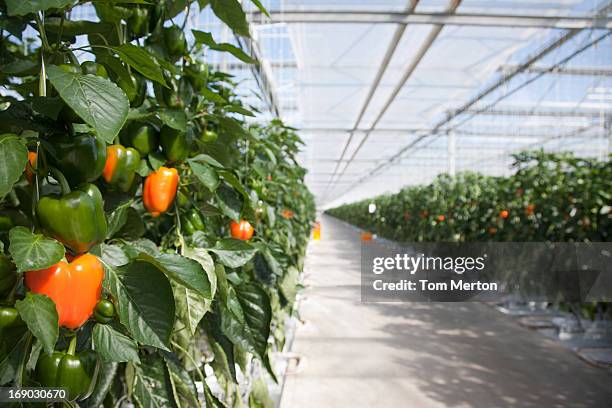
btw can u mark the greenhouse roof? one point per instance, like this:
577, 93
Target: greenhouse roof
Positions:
389, 93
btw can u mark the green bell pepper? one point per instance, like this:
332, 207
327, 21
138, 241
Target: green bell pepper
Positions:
6, 223
8, 276
209, 136
192, 221
9, 317
138, 23
174, 40
121, 166
174, 143
104, 311
81, 158
76, 218
74, 372
141, 136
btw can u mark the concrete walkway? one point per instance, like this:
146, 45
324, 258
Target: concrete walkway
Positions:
418, 354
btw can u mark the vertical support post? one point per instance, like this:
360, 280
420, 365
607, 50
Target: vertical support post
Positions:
452, 152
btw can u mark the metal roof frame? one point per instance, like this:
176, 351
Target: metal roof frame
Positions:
445, 18
566, 36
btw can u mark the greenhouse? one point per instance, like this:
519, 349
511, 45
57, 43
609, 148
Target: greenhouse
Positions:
282, 203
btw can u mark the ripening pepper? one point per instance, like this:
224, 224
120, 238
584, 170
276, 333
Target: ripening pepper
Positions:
81, 158
76, 218
121, 166
8, 276
141, 136
242, 230
192, 221
74, 287
159, 190
31, 166
69, 370
174, 143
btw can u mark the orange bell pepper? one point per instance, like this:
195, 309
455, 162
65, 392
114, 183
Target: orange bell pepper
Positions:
32, 156
159, 190
74, 287
242, 230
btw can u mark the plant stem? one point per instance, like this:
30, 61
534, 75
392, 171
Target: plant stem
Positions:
57, 175
41, 31
72, 346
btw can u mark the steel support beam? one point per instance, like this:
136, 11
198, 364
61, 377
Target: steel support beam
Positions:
446, 18
541, 113
574, 71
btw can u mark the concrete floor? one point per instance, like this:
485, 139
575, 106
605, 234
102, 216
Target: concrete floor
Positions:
419, 354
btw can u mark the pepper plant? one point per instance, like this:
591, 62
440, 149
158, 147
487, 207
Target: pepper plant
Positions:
549, 198
151, 238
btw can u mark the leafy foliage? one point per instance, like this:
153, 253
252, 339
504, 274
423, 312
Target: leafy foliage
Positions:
185, 294
549, 198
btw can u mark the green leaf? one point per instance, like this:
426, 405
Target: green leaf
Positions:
21, 7
174, 118
134, 248
98, 101
239, 109
191, 306
231, 13
139, 59
106, 375
113, 255
246, 318
257, 313
146, 304
40, 314
11, 357
113, 346
233, 253
14, 156
212, 96
182, 270
207, 38
205, 173
33, 251
260, 397
206, 159
229, 202
289, 285
233, 181
152, 387
261, 7
183, 387
116, 220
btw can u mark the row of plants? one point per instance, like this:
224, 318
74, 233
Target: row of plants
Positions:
549, 197
151, 238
